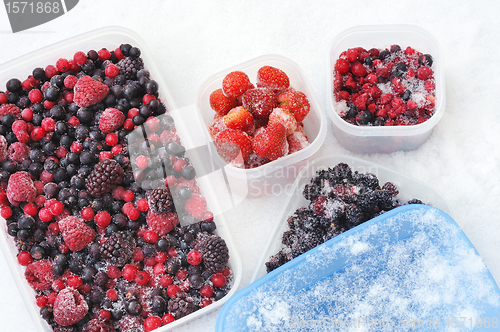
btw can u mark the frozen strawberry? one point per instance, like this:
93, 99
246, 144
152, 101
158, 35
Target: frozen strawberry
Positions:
259, 101
40, 275
20, 188
221, 103
69, 307
240, 119
234, 146
271, 143
287, 119
10, 109
196, 206
111, 119
76, 234
216, 125
235, 84
18, 152
162, 223
297, 140
272, 78
88, 91
295, 102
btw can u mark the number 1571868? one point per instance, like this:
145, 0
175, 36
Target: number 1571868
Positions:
21, 7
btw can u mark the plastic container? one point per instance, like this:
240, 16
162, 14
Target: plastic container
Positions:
111, 37
410, 269
373, 139
408, 189
259, 181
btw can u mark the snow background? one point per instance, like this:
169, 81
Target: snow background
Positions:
191, 40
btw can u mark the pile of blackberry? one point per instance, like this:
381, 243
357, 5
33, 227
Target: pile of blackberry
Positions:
339, 200
128, 272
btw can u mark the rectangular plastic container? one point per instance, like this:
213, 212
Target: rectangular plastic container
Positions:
410, 269
408, 189
112, 37
259, 181
384, 139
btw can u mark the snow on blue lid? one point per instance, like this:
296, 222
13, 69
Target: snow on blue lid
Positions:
410, 269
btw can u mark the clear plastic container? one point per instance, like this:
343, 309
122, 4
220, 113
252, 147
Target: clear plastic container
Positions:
411, 268
409, 188
112, 37
372, 139
259, 181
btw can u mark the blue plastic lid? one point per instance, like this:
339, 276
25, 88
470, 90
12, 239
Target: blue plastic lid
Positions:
410, 269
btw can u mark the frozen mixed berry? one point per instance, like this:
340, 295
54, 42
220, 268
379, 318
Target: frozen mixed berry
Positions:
101, 243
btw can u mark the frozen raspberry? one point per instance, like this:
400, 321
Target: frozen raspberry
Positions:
70, 307
89, 91
3, 149
10, 109
162, 223
96, 325
196, 206
111, 119
40, 274
76, 233
20, 188
287, 119
130, 324
18, 152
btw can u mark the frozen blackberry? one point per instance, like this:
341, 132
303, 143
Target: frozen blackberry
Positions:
160, 200
276, 261
129, 67
181, 305
118, 248
104, 177
214, 250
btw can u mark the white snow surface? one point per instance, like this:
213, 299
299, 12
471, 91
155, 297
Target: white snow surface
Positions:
192, 40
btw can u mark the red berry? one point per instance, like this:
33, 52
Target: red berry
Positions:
272, 78
56, 208
62, 65
42, 301
24, 258
142, 205
141, 161
58, 285
48, 124
30, 209
113, 272
151, 236
102, 219
6, 212
73, 122
194, 257
206, 291
205, 302
159, 269
133, 214
105, 155
152, 323
138, 255
235, 84
172, 290
27, 114
142, 278
54, 228
129, 272
147, 98
342, 66
35, 96
182, 274
165, 280
172, 252
149, 261
116, 150
128, 196
128, 124
219, 280
103, 54
111, 139
167, 318
111, 71
352, 54
76, 147
424, 73
74, 281
87, 213
50, 71
80, 58
221, 103
112, 294
45, 215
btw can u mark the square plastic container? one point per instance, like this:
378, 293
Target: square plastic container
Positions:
259, 181
384, 139
111, 37
409, 188
410, 269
